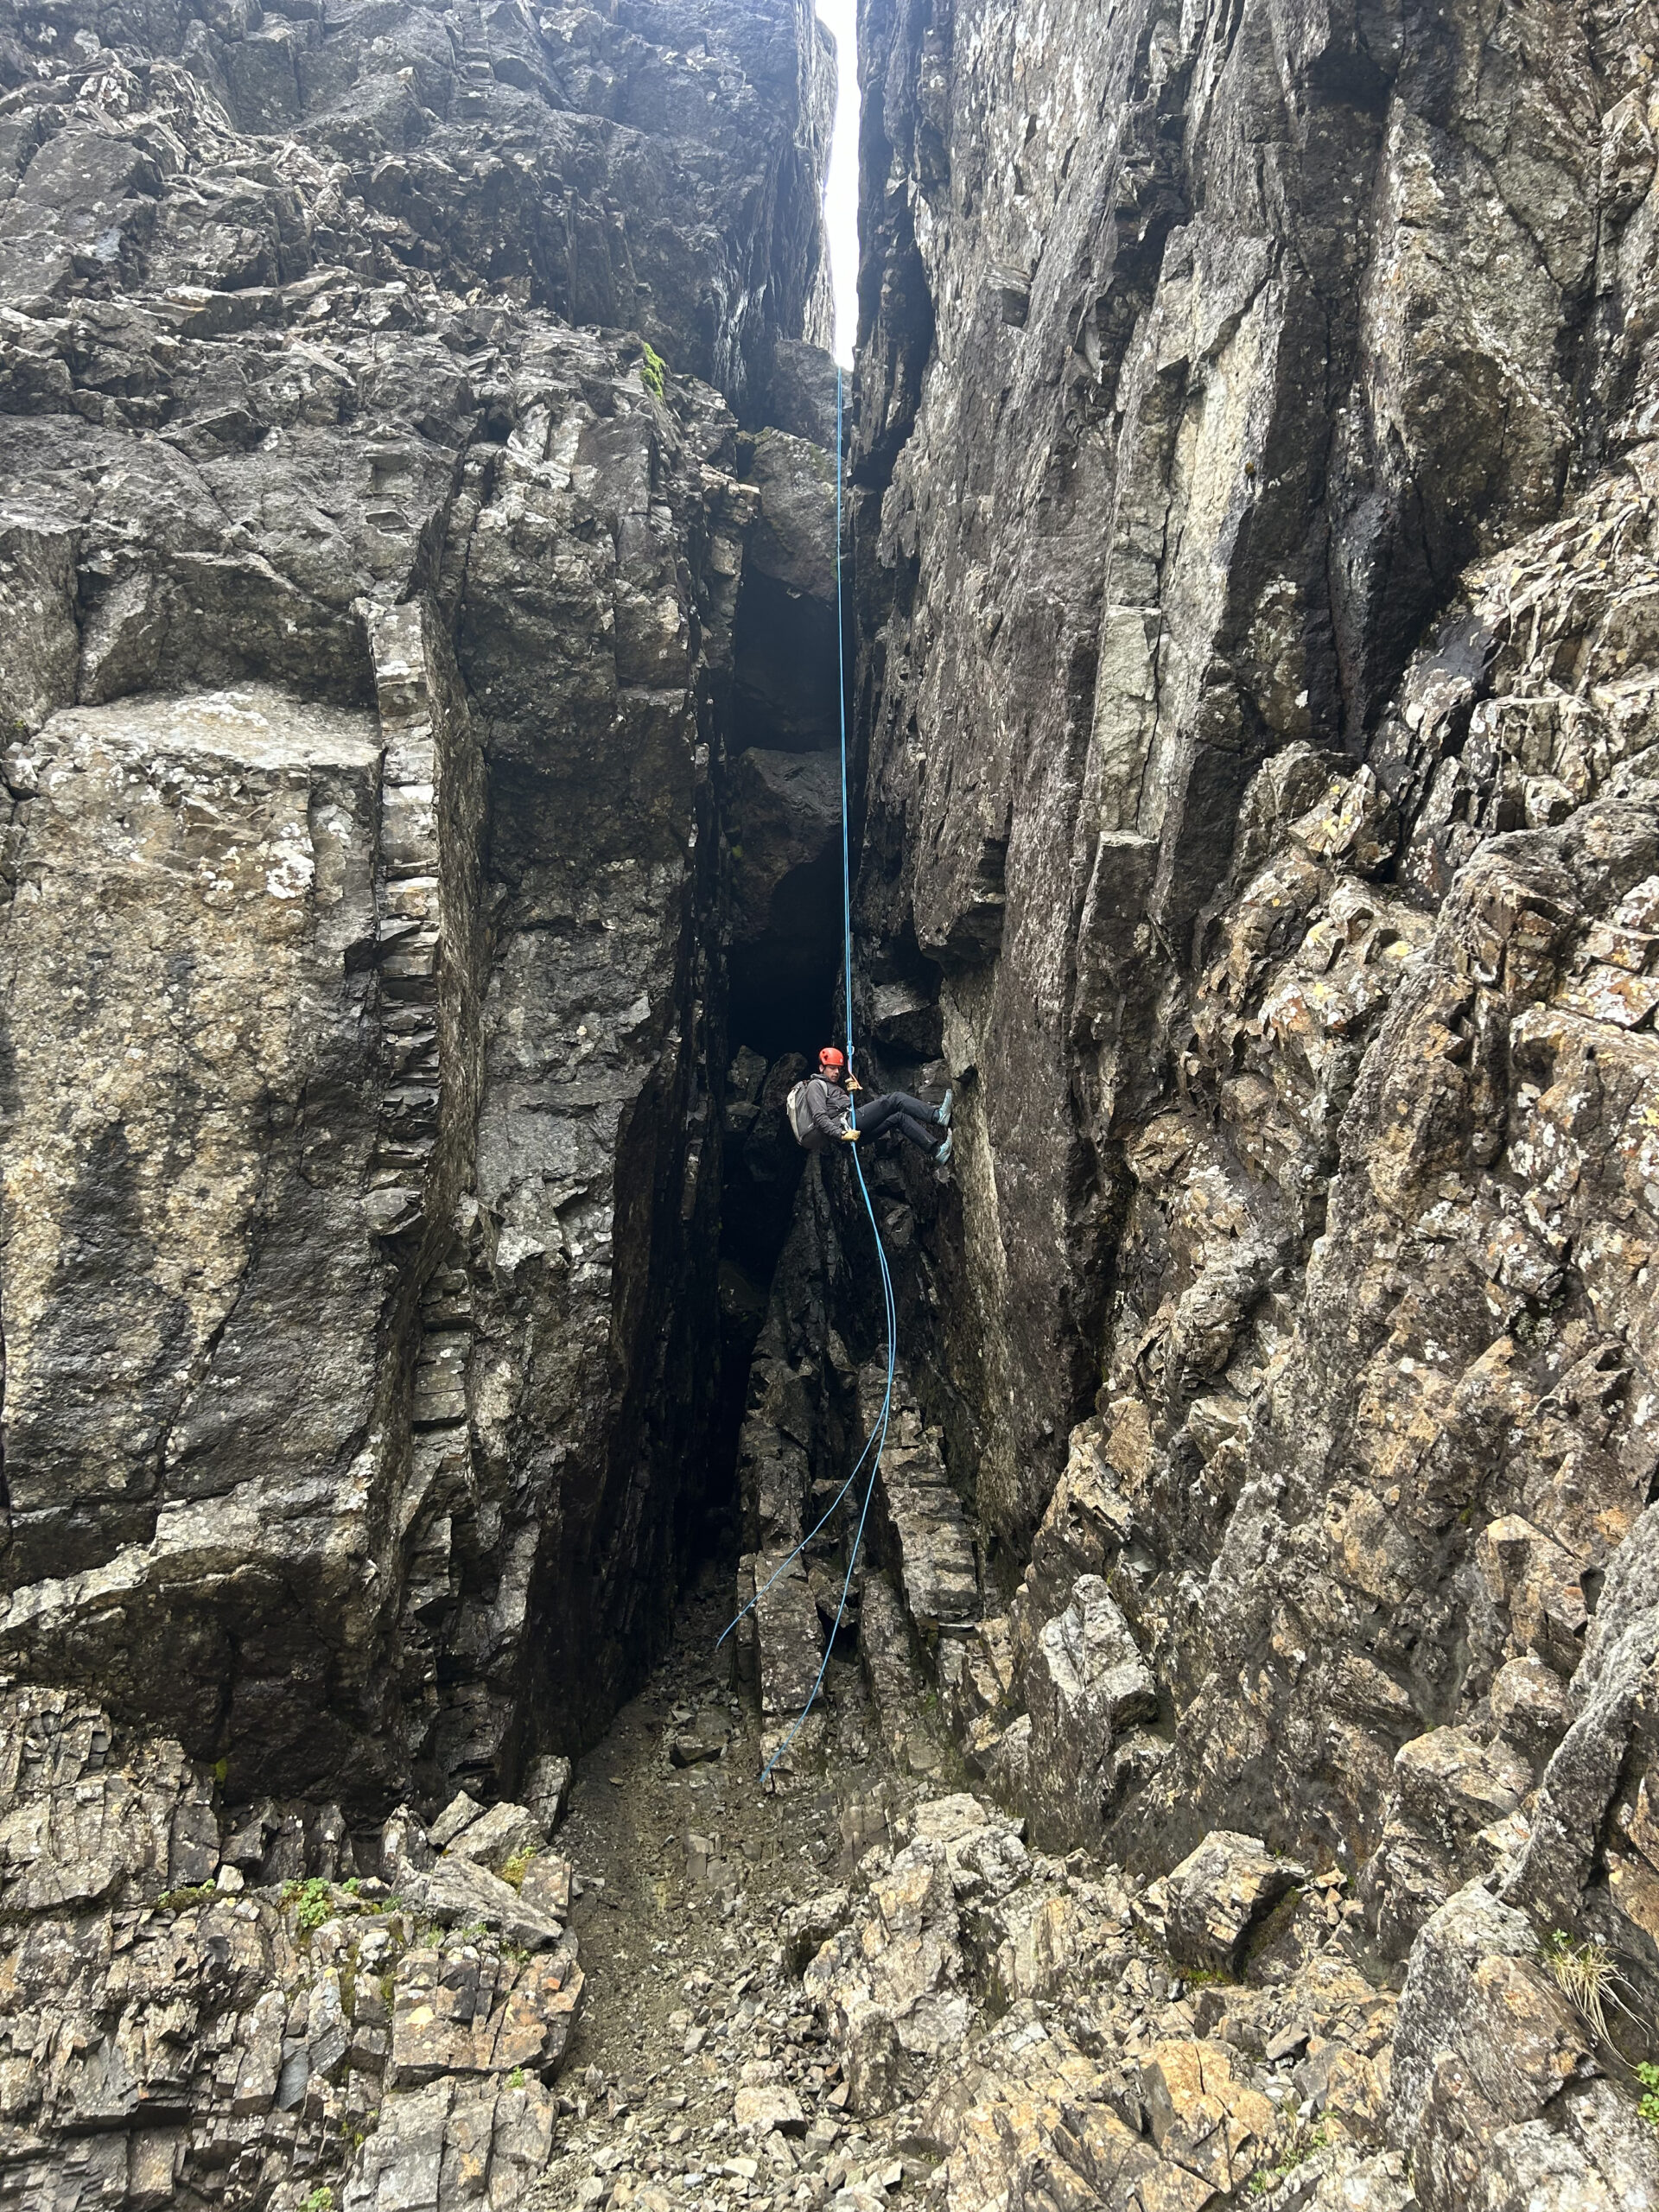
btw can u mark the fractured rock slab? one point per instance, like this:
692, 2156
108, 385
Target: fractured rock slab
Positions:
504, 1831
789, 1641
462, 2012
1086, 1685
927, 1536
1220, 1892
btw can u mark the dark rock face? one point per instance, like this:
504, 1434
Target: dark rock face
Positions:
419, 641
1196, 500
1256, 557
787, 683
651, 168
371, 546
367, 661
786, 893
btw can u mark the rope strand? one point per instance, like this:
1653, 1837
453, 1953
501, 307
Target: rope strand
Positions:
878, 1435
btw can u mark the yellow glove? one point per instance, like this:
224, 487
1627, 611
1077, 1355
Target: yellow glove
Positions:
849, 1137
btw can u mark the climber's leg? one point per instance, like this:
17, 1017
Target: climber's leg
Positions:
874, 1114
923, 1133
875, 1117
933, 1115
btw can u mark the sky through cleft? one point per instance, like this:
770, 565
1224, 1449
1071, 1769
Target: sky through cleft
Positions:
841, 200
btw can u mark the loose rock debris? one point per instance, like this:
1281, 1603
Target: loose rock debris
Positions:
866, 1989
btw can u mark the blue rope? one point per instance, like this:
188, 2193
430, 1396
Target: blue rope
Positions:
878, 1435
846, 857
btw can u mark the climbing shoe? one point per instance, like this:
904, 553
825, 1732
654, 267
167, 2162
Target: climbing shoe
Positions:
942, 1112
942, 1157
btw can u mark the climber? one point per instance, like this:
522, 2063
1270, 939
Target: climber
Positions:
820, 1112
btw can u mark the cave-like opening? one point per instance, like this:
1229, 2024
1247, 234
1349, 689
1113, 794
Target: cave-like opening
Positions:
783, 966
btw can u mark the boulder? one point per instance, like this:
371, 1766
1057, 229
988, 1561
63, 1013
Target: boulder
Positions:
1490, 2070
1221, 1893
1202, 2116
808, 1926
466, 2012
1086, 1683
403, 1843
794, 538
1027, 2114
459, 1813
895, 1985
1086, 1525
784, 812
456, 1893
758, 2111
546, 1886
1529, 1704
927, 1535
801, 394
504, 1833
546, 1786
1449, 1784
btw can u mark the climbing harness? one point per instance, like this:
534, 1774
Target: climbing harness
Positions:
878, 1435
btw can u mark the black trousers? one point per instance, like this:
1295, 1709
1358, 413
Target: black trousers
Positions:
913, 1119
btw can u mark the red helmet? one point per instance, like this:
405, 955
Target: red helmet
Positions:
830, 1058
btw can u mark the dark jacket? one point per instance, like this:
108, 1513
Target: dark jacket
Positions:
831, 1109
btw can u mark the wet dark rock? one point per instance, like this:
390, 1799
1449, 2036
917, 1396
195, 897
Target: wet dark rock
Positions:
294, 429
785, 814
370, 388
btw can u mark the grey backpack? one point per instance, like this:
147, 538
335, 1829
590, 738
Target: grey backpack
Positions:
800, 1115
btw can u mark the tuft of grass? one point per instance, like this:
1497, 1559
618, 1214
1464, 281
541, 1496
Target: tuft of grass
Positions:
1203, 1977
1586, 1975
515, 2079
653, 371
320, 2200
1301, 2147
518, 1866
177, 1900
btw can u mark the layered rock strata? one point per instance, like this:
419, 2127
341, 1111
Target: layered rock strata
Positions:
375, 386
1255, 567
191, 2017
367, 661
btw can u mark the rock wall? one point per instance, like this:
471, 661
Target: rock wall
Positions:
375, 386
369, 556
1256, 570
417, 641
